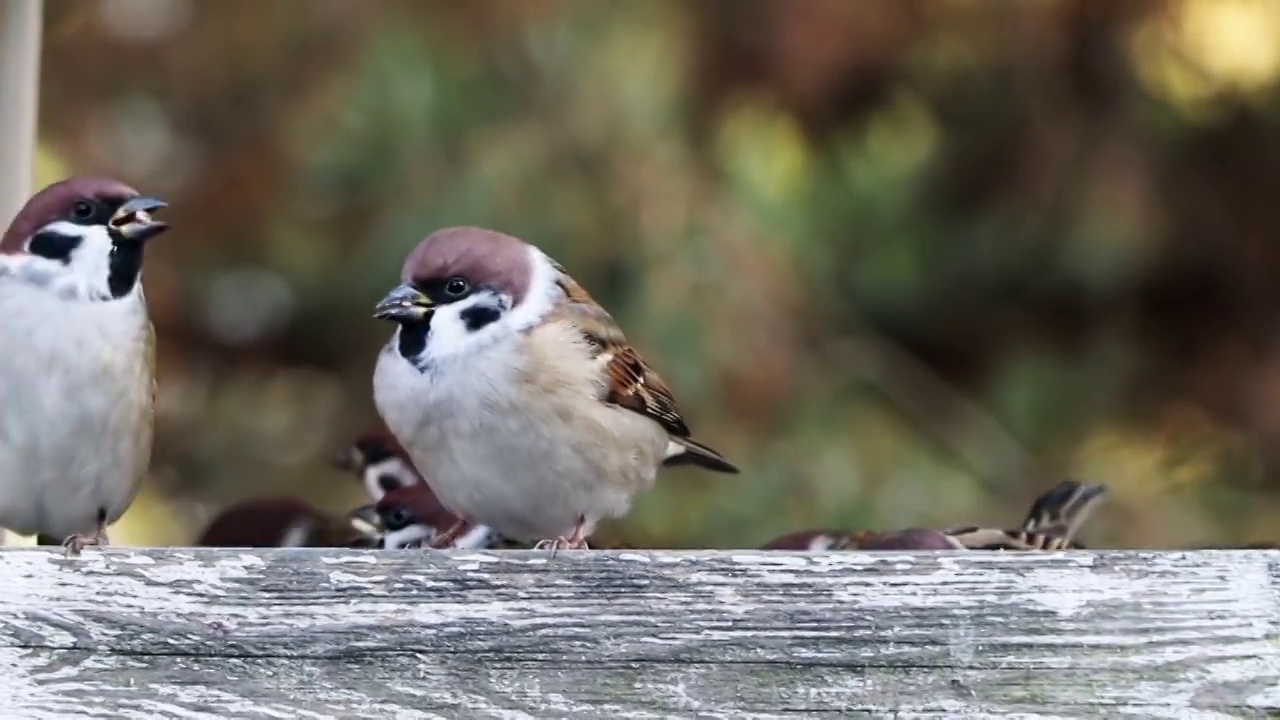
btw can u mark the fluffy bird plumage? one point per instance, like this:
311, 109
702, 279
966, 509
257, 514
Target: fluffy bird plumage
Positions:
76, 371
517, 395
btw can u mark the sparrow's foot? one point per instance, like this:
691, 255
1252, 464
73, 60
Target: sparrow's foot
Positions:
448, 537
576, 541
74, 544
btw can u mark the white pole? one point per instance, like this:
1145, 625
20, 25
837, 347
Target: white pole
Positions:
20, 28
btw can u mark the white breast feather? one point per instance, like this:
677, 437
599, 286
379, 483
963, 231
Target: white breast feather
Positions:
75, 406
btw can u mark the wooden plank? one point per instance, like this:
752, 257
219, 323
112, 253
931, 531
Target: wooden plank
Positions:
332, 633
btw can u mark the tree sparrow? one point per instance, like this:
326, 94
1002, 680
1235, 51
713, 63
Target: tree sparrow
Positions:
1051, 524
413, 517
281, 522
516, 394
77, 371
383, 466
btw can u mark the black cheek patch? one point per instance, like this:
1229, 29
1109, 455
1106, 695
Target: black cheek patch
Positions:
54, 246
478, 316
388, 482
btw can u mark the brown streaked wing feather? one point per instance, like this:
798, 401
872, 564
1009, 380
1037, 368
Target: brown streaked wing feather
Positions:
631, 383
636, 387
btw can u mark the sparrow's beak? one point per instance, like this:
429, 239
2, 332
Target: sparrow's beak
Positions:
133, 220
366, 521
349, 459
404, 304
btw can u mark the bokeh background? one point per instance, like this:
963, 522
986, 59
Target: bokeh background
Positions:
905, 262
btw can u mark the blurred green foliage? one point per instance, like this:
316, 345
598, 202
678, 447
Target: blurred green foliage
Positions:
904, 262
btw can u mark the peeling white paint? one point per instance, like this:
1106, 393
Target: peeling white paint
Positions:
316, 633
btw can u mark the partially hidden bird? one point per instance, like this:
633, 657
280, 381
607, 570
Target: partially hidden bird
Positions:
282, 522
413, 515
377, 459
517, 395
1051, 523
77, 360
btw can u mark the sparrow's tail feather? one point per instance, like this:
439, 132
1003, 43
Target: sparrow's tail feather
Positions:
1051, 523
686, 451
1062, 509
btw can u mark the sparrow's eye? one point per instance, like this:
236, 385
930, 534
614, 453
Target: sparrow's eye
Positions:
456, 287
397, 519
83, 211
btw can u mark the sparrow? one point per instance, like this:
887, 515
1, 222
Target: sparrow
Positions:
77, 383
517, 395
383, 466
282, 522
1051, 524
413, 517
381, 463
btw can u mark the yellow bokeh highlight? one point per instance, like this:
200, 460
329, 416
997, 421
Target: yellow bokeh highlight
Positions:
767, 150
1201, 49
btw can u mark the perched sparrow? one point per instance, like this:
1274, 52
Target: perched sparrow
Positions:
77, 367
413, 517
280, 522
1051, 524
517, 396
377, 458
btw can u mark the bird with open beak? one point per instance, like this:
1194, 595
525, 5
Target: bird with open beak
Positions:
517, 395
77, 357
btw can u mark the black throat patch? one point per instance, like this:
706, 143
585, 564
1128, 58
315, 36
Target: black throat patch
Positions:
413, 339
124, 266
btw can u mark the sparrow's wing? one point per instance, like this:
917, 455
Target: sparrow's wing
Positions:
629, 381
979, 538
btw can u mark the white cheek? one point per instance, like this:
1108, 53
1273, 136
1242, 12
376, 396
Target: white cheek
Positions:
394, 467
87, 272
474, 539
449, 336
821, 542
406, 536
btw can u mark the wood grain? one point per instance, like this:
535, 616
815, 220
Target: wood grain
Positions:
196, 633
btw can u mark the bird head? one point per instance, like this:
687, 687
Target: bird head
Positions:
465, 288
82, 238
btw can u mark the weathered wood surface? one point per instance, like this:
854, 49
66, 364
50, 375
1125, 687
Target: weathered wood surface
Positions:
316, 633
